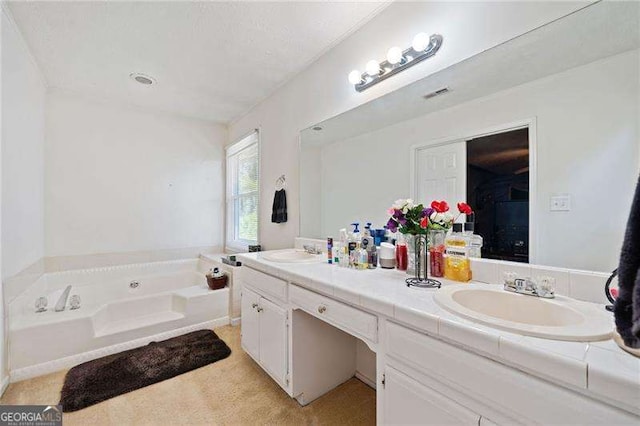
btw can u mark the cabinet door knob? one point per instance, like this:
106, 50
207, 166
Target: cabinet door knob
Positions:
254, 305
321, 309
260, 309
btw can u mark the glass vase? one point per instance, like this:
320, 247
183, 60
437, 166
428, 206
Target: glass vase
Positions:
436, 252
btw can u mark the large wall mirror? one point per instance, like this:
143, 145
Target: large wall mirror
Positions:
539, 135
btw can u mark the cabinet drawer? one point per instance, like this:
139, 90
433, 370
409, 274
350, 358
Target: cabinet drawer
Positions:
351, 320
266, 284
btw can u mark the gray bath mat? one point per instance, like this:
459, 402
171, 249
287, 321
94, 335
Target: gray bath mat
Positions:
98, 380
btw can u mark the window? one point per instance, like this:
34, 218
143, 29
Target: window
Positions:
243, 177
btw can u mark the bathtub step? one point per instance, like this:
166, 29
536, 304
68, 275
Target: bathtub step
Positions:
138, 322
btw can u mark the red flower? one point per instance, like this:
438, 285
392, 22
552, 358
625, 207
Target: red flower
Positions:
440, 206
424, 222
465, 208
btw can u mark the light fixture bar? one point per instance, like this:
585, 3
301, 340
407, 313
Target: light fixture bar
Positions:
410, 57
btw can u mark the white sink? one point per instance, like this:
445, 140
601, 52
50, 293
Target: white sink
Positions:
561, 318
292, 256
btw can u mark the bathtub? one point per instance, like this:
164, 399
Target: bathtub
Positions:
170, 298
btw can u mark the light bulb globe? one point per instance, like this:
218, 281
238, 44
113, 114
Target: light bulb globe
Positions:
420, 42
373, 68
355, 77
394, 55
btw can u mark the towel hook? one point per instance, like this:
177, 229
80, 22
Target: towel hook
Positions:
280, 182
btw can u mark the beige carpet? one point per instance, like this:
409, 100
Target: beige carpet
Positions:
232, 391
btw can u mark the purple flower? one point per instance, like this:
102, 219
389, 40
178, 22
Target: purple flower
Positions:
398, 214
402, 221
426, 212
392, 225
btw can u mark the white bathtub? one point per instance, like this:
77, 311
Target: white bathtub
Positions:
172, 298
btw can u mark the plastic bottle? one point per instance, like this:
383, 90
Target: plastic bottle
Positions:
457, 264
368, 243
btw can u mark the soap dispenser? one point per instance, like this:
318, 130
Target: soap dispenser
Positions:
354, 241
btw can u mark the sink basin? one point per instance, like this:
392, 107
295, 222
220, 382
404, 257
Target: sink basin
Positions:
293, 256
561, 318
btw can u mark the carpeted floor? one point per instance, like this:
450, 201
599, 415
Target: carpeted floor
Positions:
232, 391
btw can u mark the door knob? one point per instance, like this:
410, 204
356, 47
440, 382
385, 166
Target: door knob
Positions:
321, 309
254, 305
260, 309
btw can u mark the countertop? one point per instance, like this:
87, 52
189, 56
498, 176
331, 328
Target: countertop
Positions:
599, 369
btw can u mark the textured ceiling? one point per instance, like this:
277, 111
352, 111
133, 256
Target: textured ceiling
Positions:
211, 60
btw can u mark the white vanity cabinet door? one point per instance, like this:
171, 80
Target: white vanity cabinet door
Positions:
409, 402
273, 339
250, 323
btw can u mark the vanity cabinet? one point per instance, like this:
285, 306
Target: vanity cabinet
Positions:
409, 402
264, 334
427, 380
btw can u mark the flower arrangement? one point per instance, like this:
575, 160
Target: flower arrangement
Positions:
410, 218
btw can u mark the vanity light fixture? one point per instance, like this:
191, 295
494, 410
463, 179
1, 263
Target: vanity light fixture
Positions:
422, 47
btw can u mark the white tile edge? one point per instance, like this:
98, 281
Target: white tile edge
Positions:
73, 360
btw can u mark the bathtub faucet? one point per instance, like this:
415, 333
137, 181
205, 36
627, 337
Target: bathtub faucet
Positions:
62, 302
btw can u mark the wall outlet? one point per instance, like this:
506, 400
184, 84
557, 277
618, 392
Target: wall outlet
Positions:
560, 203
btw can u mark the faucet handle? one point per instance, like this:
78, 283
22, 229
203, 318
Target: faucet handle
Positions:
545, 286
74, 302
41, 304
510, 278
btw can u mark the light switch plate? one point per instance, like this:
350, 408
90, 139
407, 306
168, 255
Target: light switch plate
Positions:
560, 203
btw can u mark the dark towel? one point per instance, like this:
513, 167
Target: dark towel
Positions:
627, 306
279, 209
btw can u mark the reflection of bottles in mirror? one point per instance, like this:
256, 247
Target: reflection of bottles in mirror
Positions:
457, 264
475, 240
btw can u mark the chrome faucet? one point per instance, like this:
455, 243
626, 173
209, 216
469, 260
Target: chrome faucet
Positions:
62, 301
312, 249
541, 287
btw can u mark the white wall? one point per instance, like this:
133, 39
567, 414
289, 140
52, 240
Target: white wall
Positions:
322, 90
23, 100
118, 178
587, 146
21, 163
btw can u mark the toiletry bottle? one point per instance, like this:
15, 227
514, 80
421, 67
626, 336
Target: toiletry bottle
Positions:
475, 240
355, 234
329, 250
457, 264
401, 253
367, 235
354, 240
369, 244
436, 253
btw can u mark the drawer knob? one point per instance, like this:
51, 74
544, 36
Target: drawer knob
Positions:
322, 309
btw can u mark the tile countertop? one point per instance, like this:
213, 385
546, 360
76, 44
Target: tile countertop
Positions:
599, 369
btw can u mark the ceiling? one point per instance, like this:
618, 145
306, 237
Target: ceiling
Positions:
505, 153
597, 31
211, 60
